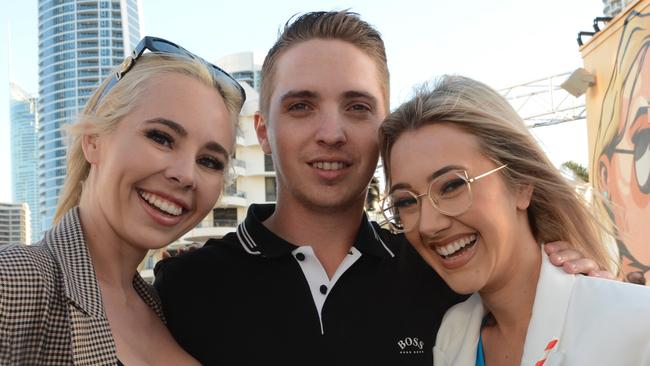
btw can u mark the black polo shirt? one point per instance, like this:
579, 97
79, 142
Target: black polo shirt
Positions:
253, 298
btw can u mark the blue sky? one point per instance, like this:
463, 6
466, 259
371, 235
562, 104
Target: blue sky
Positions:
500, 42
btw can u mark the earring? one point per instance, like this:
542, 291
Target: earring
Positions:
606, 195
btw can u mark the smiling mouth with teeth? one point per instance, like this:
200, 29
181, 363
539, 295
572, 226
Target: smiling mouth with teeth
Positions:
161, 204
456, 246
329, 165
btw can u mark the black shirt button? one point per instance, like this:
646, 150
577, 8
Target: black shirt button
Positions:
300, 257
323, 289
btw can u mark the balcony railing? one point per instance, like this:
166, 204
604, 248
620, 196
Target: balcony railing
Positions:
224, 223
234, 193
239, 163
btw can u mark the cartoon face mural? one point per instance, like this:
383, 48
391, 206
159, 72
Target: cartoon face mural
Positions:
621, 155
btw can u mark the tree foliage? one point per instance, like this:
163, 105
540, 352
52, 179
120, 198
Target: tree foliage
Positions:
578, 170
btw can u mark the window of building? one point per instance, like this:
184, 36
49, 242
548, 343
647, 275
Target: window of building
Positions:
224, 217
231, 189
150, 263
269, 183
268, 163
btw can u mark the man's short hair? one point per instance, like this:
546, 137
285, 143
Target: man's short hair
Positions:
342, 25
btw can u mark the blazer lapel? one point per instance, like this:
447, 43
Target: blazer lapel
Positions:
457, 340
544, 336
92, 340
148, 295
68, 246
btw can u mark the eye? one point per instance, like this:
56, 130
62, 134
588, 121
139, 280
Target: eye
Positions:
159, 137
360, 107
359, 110
404, 202
641, 140
452, 185
211, 163
299, 107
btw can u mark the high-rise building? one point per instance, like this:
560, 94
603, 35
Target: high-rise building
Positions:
613, 7
243, 67
14, 224
79, 43
24, 152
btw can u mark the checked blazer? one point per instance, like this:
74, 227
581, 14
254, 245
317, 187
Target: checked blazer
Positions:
51, 310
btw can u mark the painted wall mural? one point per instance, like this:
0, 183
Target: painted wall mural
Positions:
619, 134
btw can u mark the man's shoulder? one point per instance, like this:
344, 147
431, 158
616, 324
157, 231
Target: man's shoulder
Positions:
416, 274
218, 260
213, 255
395, 242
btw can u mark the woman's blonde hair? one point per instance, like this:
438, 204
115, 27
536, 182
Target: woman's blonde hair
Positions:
102, 113
556, 211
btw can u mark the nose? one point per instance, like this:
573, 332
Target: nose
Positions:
432, 222
182, 172
331, 128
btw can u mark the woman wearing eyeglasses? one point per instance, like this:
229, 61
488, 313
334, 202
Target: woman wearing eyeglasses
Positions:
477, 198
146, 163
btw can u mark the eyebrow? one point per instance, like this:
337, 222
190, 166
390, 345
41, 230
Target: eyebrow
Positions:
431, 177
212, 145
359, 94
169, 123
217, 148
444, 170
307, 94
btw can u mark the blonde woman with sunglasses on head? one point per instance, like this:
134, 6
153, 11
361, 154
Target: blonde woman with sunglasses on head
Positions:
146, 163
477, 198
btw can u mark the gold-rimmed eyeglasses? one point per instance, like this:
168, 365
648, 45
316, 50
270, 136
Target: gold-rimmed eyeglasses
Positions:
450, 193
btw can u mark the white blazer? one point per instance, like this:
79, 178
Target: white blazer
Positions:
595, 322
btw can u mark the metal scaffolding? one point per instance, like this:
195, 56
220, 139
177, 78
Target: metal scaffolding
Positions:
543, 103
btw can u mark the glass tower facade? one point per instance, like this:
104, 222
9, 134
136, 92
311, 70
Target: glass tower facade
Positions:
612, 7
24, 153
79, 43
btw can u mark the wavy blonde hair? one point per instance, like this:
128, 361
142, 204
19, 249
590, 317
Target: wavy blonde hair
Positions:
556, 211
102, 114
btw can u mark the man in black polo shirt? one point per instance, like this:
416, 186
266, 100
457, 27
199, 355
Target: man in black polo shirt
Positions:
310, 281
